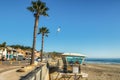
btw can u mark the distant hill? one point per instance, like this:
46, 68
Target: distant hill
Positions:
21, 47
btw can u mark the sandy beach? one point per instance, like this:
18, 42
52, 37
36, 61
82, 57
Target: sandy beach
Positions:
102, 71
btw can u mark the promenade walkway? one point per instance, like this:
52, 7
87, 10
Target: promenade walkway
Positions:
10, 72
4, 68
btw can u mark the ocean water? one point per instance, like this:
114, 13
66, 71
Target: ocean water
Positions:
103, 60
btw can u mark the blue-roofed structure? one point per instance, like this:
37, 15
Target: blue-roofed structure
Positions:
72, 59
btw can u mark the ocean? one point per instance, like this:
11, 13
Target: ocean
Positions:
103, 60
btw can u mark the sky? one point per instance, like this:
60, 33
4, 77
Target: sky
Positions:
90, 27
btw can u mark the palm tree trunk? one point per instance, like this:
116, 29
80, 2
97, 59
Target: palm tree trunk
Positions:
34, 38
42, 45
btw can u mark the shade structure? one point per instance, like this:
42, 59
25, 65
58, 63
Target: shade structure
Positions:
73, 54
72, 58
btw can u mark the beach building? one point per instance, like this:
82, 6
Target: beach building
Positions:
70, 67
71, 61
74, 57
9, 53
3, 53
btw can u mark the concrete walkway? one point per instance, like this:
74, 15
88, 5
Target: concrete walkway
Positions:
4, 68
10, 75
9, 72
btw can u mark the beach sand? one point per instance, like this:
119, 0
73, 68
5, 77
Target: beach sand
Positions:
102, 71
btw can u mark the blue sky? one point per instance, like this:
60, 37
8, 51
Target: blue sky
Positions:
90, 27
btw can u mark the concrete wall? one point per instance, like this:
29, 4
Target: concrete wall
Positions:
45, 73
40, 73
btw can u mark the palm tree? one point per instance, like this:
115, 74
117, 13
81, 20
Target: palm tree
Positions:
44, 32
37, 8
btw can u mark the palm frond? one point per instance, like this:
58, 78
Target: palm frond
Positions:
46, 35
30, 9
39, 7
44, 30
43, 5
44, 14
39, 3
46, 9
35, 6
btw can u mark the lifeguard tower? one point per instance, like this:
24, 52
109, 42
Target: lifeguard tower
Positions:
72, 62
72, 67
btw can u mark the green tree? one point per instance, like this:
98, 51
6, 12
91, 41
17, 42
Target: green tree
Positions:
3, 44
37, 8
44, 32
21, 47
